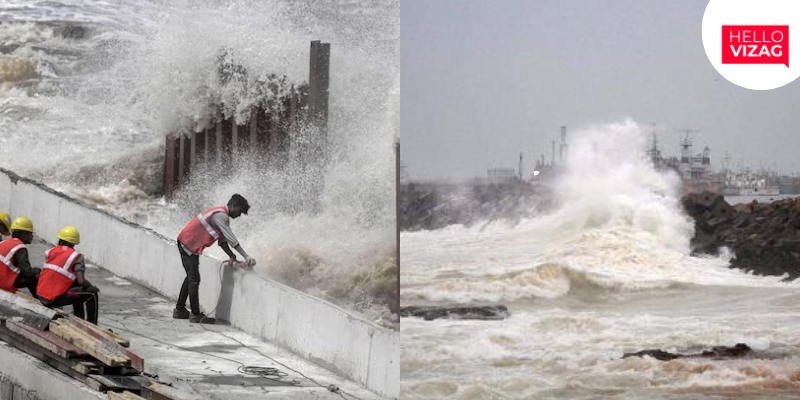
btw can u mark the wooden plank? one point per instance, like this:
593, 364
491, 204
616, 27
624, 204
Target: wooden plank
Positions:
46, 340
75, 368
104, 350
93, 329
125, 370
88, 367
36, 352
156, 391
97, 368
132, 396
117, 383
18, 309
123, 396
26, 296
136, 362
101, 333
95, 385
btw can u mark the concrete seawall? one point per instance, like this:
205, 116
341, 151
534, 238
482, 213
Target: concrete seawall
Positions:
319, 331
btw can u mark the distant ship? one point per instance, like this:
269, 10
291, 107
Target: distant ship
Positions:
697, 175
750, 183
694, 169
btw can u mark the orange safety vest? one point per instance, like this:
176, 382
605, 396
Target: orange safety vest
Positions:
58, 274
9, 271
198, 233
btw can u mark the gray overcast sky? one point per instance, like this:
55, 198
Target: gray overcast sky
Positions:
484, 80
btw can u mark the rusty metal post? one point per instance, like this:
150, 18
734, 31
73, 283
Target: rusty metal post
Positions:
262, 133
218, 143
242, 137
192, 149
253, 130
185, 164
226, 150
291, 126
397, 217
199, 147
211, 144
302, 147
234, 137
170, 166
318, 82
179, 175
274, 138
169, 172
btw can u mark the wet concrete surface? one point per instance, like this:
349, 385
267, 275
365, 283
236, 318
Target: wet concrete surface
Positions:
204, 361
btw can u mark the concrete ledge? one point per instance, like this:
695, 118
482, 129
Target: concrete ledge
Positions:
319, 331
31, 375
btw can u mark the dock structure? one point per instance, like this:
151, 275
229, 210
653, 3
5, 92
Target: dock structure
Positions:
290, 121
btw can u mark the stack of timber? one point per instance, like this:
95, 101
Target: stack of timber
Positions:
91, 354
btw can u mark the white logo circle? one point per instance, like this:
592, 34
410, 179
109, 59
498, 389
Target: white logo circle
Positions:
755, 59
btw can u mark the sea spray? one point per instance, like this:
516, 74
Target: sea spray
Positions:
609, 182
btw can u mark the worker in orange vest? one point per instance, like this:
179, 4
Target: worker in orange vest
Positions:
63, 283
212, 225
5, 225
15, 267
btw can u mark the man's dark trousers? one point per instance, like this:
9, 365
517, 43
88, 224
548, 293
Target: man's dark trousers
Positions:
79, 298
191, 285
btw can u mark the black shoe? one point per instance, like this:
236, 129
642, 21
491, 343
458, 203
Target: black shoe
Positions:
202, 319
180, 313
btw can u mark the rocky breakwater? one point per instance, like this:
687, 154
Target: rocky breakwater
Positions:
765, 237
429, 206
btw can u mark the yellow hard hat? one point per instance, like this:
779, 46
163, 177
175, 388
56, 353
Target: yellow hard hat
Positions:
70, 234
22, 224
5, 224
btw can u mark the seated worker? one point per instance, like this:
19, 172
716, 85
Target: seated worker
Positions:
15, 267
63, 282
5, 225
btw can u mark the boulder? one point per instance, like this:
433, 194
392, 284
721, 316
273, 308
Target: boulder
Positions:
716, 352
487, 312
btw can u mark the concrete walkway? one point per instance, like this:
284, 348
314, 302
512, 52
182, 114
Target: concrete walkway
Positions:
203, 361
